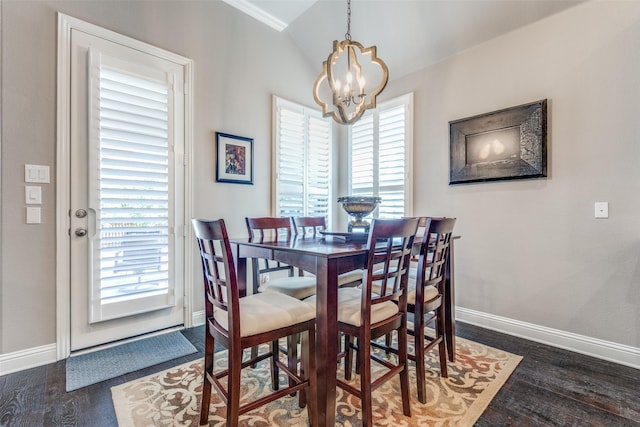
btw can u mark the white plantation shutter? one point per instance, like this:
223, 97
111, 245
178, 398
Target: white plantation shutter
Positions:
131, 157
391, 162
318, 176
303, 152
290, 163
380, 147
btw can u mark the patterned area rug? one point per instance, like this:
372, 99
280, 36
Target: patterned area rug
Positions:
172, 397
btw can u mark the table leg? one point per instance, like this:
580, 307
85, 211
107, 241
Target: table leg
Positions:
449, 306
241, 271
326, 341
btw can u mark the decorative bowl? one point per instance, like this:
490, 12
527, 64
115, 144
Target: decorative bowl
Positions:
359, 207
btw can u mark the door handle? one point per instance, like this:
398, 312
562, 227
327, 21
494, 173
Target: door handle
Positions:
81, 232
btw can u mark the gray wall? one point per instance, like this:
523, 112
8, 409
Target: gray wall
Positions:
238, 65
531, 250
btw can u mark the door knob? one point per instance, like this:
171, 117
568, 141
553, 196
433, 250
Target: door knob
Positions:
81, 232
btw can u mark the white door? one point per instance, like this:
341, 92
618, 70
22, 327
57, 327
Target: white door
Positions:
126, 197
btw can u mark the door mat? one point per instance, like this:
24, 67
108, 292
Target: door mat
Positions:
91, 368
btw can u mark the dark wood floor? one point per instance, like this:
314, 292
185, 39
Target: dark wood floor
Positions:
550, 387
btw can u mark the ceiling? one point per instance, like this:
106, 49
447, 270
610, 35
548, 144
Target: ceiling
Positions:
409, 34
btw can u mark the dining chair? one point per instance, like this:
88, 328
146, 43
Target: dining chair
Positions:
297, 286
312, 226
366, 315
240, 323
277, 229
426, 296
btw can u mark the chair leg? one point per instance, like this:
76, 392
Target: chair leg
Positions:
206, 387
419, 342
292, 356
254, 354
275, 371
364, 357
403, 360
308, 371
388, 339
233, 385
348, 357
442, 346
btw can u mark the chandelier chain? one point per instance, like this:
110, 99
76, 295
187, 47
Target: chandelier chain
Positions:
347, 36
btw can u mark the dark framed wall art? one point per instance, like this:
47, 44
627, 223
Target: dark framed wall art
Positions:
504, 144
234, 159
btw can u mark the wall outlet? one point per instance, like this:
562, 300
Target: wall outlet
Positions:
602, 209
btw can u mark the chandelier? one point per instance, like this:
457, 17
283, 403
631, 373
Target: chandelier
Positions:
342, 81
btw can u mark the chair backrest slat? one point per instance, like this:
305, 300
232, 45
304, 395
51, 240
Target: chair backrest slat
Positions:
434, 253
390, 244
309, 225
269, 229
218, 271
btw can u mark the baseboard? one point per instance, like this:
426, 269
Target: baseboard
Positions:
613, 352
29, 358
197, 318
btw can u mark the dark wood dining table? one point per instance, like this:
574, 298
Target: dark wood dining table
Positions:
326, 258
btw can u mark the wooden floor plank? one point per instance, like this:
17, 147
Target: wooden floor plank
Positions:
551, 387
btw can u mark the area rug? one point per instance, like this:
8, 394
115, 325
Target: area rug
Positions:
91, 368
173, 397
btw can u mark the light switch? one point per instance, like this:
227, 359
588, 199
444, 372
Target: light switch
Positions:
33, 215
33, 194
36, 173
602, 209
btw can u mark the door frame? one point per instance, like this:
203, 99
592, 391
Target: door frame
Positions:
66, 24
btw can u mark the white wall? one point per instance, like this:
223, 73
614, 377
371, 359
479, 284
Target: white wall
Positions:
531, 250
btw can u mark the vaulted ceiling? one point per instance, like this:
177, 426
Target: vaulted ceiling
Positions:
409, 34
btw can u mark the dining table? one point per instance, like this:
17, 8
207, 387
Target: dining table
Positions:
327, 257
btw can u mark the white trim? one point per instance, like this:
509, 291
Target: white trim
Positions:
606, 350
198, 318
29, 358
257, 13
63, 262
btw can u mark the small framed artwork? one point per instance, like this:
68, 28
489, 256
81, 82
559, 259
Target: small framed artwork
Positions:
504, 144
234, 159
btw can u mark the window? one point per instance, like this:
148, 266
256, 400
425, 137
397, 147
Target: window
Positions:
380, 157
302, 148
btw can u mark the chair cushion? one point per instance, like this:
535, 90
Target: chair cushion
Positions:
349, 303
299, 287
350, 277
267, 311
430, 292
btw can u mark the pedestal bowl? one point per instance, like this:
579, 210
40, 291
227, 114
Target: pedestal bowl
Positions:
358, 207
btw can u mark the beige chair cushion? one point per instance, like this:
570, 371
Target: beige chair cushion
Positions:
299, 287
266, 312
350, 277
430, 292
349, 303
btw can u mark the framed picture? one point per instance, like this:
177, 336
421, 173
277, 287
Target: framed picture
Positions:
234, 159
504, 144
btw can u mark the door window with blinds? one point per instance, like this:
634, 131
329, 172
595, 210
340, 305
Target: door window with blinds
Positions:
130, 164
302, 148
380, 157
